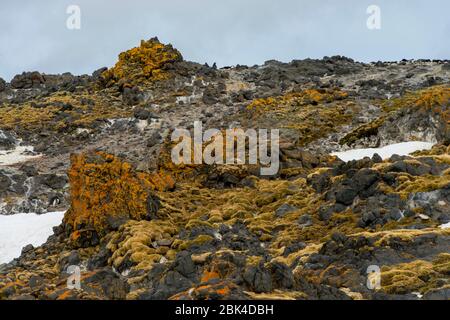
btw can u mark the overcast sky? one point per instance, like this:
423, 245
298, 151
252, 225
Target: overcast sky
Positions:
34, 36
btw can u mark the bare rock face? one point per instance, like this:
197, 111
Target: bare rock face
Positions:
144, 227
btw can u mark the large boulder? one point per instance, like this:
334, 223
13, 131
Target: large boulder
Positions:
106, 192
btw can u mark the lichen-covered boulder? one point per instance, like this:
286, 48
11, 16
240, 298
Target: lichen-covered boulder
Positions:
149, 61
105, 193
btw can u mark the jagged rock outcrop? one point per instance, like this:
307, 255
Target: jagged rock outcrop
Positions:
27, 80
423, 115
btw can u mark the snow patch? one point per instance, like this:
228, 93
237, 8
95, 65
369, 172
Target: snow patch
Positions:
445, 225
401, 149
3, 135
19, 230
188, 99
142, 124
82, 130
17, 155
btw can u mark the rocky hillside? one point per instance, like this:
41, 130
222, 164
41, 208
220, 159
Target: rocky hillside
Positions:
141, 227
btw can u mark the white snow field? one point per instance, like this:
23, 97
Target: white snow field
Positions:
17, 155
19, 230
402, 149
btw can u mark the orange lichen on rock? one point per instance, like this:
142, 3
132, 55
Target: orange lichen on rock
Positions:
45, 112
149, 61
222, 290
105, 190
433, 97
303, 98
311, 113
209, 275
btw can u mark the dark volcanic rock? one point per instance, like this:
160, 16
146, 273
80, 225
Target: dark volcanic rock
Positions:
27, 80
7, 140
284, 209
5, 182
2, 85
259, 279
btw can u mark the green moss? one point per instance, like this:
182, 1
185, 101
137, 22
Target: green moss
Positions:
136, 239
364, 131
312, 113
62, 111
186, 244
197, 223
435, 98
417, 275
429, 98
